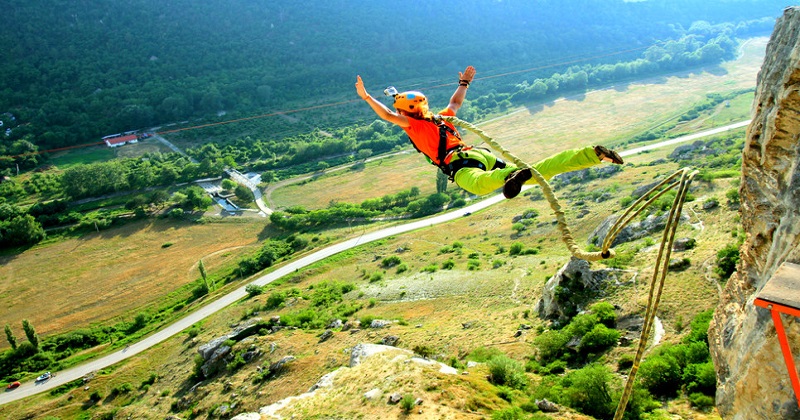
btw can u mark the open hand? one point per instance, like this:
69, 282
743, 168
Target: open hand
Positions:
468, 74
360, 90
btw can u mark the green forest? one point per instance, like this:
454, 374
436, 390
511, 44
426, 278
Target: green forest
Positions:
74, 71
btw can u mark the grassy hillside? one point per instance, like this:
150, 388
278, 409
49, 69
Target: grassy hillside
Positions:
454, 275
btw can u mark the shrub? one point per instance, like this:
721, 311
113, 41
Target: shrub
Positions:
699, 327
505, 393
392, 261
700, 378
605, 313
95, 396
253, 290
598, 339
588, 391
402, 268
551, 345
510, 413
275, 300
448, 265
376, 277
483, 354
701, 401
661, 375
507, 371
423, 350
516, 248
407, 403
727, 259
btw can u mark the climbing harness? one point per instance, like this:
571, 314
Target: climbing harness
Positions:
680, 180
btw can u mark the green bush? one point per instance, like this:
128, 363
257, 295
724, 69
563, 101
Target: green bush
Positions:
392, 261
253, 290
551, 345
699, 327
483, 354
407, 403
701, 401
516, 248
504, 370
700, 377
661, 375
605, 313
448, 265
424, 350
598, 339
727, 259
510, 413
588, 391
505, 393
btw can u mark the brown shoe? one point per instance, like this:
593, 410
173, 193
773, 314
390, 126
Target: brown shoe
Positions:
514, 182
604, 153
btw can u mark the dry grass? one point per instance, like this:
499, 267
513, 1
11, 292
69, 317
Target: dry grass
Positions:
77, 282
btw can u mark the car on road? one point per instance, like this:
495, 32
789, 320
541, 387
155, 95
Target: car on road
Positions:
43, 377
13, 385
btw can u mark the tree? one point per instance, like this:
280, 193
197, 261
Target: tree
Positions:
21, 230
204, 275
441, 182
243, 193
228, 185
30, 332
11, 338
588, 390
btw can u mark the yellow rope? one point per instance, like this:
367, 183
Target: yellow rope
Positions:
566, 234
662, 261
659, 274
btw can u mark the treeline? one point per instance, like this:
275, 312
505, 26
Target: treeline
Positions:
298, 219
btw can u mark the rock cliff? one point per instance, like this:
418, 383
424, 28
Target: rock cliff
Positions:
753, 382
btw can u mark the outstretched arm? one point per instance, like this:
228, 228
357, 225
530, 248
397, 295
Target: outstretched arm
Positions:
382, 110
461, 91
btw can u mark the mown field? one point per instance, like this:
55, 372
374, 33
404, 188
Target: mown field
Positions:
122, 271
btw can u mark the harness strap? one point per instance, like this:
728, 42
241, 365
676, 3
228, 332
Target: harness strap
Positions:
444, 130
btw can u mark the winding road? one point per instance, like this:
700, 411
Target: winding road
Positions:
77, 372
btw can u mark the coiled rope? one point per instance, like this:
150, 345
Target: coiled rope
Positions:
685, 176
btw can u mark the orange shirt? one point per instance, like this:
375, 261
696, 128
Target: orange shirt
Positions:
425, 136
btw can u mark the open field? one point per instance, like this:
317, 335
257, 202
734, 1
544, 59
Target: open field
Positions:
78, 282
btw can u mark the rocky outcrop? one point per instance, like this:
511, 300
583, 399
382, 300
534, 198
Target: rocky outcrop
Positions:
753, 382
574, 285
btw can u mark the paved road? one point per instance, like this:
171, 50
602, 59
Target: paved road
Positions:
77, 372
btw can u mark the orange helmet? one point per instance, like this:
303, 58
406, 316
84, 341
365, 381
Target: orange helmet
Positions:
411, 101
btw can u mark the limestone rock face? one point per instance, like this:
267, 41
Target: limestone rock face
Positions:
752, 378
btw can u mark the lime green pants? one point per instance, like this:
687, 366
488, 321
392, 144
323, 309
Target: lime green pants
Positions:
478, 181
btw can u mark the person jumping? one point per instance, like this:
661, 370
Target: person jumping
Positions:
474, 169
